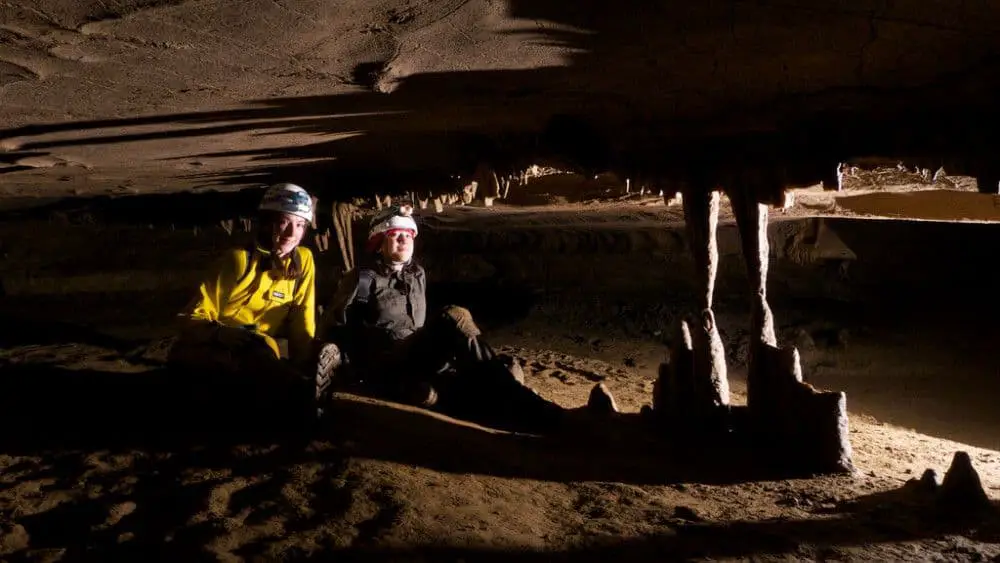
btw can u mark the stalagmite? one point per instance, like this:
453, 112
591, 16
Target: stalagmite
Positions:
227, 225
962, 489
701, 215
600, 399
806, 430
343, 215
809, 426
485, 177
959, 497
681, 394
438, 205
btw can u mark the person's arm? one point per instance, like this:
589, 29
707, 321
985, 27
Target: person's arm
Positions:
302, 317
335, 314
199, 320
354, 312
419, 297
346, 322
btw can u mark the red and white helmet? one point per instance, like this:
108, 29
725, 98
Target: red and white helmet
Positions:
390, 219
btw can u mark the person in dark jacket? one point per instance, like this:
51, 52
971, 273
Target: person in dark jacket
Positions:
398, 350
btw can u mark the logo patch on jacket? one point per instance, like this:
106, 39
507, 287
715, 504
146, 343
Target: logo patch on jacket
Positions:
278, 295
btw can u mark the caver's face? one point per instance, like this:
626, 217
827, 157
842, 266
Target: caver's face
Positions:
288, 231
398, 245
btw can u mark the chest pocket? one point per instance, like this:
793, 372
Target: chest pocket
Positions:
280, 293
391, 302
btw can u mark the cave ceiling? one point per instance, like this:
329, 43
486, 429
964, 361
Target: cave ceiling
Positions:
131, 96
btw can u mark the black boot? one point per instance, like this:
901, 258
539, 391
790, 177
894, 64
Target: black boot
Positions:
493, 394
328, 362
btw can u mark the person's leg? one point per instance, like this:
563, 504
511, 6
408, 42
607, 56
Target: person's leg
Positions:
475, 383
450, 340
249, 377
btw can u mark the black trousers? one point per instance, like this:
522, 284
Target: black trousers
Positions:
447, 366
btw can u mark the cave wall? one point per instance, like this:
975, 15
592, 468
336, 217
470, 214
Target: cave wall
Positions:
899, 265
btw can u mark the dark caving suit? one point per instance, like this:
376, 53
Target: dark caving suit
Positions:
395, 350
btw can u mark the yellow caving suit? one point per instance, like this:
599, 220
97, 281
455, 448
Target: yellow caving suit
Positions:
239, 293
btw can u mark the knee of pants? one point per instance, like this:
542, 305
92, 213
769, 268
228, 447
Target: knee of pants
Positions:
217, 358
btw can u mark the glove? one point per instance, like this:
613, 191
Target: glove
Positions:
462, 319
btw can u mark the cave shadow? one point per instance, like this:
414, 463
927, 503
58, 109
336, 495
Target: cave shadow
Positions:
157, 509
46, 407
12, 169
805, 539
170, 482
49, 409
18, 329
623, 448
11, 161
493, 304
905, 514
171, 503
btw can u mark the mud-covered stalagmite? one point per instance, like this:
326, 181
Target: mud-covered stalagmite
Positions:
701, 215
809, 426
962, 489
682, 394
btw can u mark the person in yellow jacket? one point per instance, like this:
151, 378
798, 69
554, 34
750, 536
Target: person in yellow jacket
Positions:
253, 296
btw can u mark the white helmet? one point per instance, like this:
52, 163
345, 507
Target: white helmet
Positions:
392, 218
288, 198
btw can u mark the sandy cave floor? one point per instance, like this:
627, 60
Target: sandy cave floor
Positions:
92, 467
407, 485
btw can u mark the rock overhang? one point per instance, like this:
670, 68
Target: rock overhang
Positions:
379, 95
